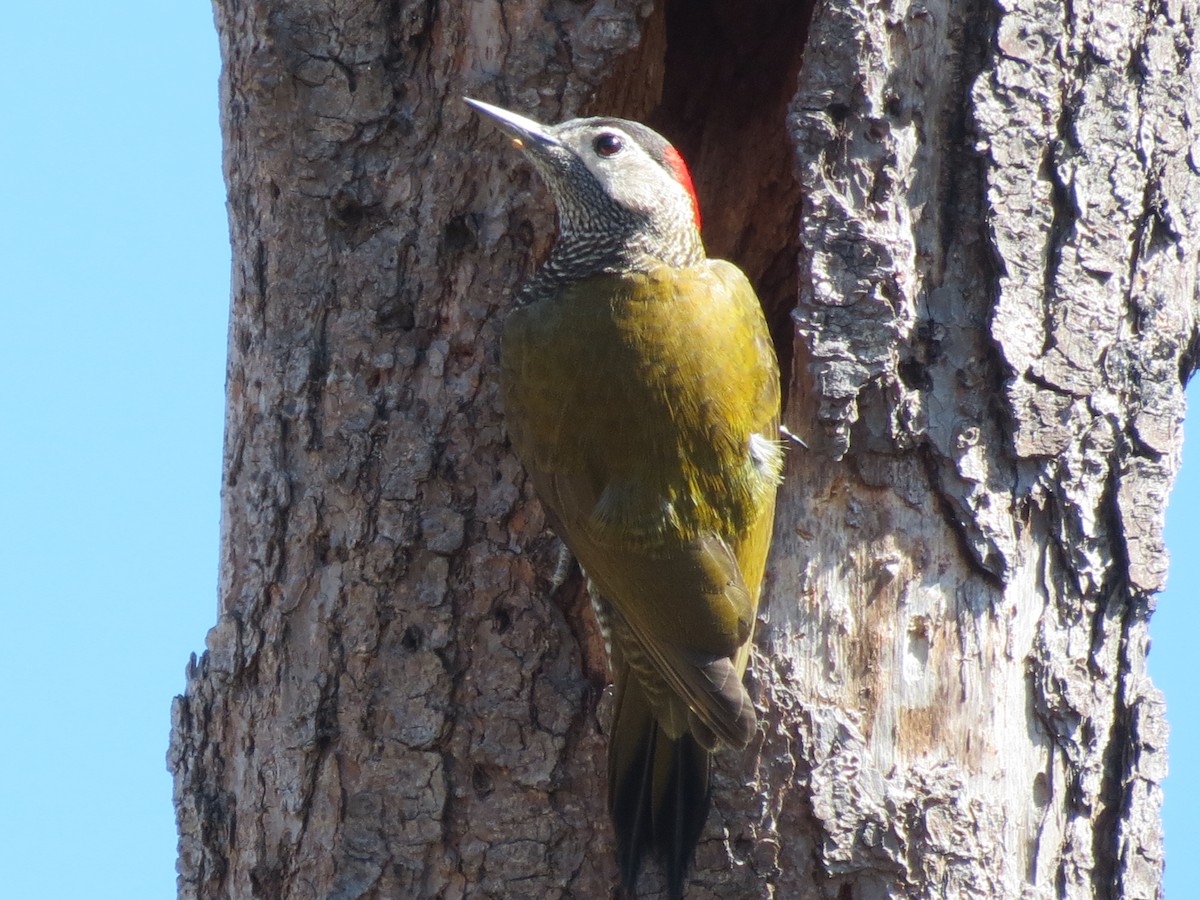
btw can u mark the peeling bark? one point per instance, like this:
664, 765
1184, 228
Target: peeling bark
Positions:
998, 290
975, 230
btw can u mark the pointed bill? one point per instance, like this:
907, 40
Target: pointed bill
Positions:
526, 131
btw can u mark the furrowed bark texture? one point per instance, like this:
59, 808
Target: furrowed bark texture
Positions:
974, 228
998, 294
391, 704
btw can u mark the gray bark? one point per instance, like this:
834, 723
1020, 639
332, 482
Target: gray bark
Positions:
982, 223
999, 290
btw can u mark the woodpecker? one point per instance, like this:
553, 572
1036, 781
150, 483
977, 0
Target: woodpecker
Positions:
641, 393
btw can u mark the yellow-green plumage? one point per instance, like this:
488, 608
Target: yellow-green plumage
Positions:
645, 407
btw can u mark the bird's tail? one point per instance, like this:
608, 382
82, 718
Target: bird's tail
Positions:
658, 790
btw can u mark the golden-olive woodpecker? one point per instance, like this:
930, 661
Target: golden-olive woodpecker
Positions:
641, 392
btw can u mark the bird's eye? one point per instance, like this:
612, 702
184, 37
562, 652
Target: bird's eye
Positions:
607, 144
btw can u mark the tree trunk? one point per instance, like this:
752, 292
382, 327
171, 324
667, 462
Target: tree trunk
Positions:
975, 231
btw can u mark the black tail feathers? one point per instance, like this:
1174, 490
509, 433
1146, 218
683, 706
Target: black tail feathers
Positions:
658, 792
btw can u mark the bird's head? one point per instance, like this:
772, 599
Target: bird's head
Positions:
611, 177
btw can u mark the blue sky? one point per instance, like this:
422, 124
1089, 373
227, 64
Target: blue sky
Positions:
114, 249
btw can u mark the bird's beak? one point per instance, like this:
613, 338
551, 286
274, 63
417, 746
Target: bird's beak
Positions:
526, 133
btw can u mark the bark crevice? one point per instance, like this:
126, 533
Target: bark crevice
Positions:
990, 303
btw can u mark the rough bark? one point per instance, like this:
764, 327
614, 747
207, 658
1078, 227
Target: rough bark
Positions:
990, 305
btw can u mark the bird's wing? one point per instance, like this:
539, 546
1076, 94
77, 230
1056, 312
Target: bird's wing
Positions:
634, 404
683, 612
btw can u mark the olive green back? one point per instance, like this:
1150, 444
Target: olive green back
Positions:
645, 408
